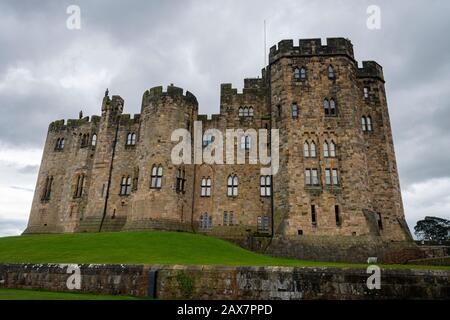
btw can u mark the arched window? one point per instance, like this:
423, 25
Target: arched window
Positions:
326, 153
250, 112
366, 92
180, 180
294, 110
125, 186
46, 192
326, 106
306, 150
332, 150
296, 73
332, 107
157, 173
265, 186
131, 139
79, 186
232, 186
246, 142
59, 144
369, 123
94, 140
363, 123
331, 74
207, 140
302, 73
206, 187
245, 112
312, 150
241, 112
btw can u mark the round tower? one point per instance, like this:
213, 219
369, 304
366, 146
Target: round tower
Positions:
164, 194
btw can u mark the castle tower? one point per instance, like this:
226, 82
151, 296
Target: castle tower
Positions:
163, 199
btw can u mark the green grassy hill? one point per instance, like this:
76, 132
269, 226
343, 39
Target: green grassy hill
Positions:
138, 248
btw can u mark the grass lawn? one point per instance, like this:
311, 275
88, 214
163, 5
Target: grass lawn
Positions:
14, 294
144, 248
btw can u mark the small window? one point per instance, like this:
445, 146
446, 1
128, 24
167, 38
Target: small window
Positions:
337, 215
313, 215
180, 180
326, 153
131, 139
306, 149
326, 107
302, 73
332, 108
294, 110
331, 74
94, 140
156, 179
369, 123
315, 177
332, 150
79, 186
206, 187
328, 177
312, 150
46, 192
125, 186
366, 92
246, 142
205, 221
280, 112
225, 218
232, 186
363, 123
262, 223
231, 218
250, 112
308, 177
335, 177
265, 183
241, 112
59, 144
300, 232
297, 73
207, 140
245, 112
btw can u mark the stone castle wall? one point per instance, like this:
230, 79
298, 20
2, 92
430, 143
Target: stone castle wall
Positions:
367, 197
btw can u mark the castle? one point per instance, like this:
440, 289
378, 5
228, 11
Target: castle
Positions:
337, 175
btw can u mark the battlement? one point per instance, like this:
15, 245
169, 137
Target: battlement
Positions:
311, 47
370, 69
171, 91
126, 119
73, 123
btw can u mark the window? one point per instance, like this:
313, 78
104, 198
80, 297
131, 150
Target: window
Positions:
332, 108
125, 186
79, 186
246, 142
369, 123
328, 177
94, 140
379, 221
206, 187
225, 218
294, 110
262, 223
280, 112
265, 186
363, 123
335, 177
205, 221
306, 149
46, 192
297, 73
325, 150
366, 92
331, 74
231, 218
308, 177
59, 144
135, 179
180, 180
157, 173
332, 150
84, 140
337, 215
246, 112
315, 177
250, 112
232, 186
313, 215
241, 112
228, 218
312, 151
326, 107
311, 177
131, 139
302, 73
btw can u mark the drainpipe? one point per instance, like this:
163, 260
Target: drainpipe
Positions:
105, 207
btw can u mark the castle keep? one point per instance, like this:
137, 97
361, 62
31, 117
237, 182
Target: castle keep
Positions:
337, 176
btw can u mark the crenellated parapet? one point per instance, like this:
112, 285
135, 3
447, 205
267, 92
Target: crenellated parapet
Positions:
126, 119
370, 69
311, 47
175, 93
62, 124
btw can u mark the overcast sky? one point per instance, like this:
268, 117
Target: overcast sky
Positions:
49, 72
